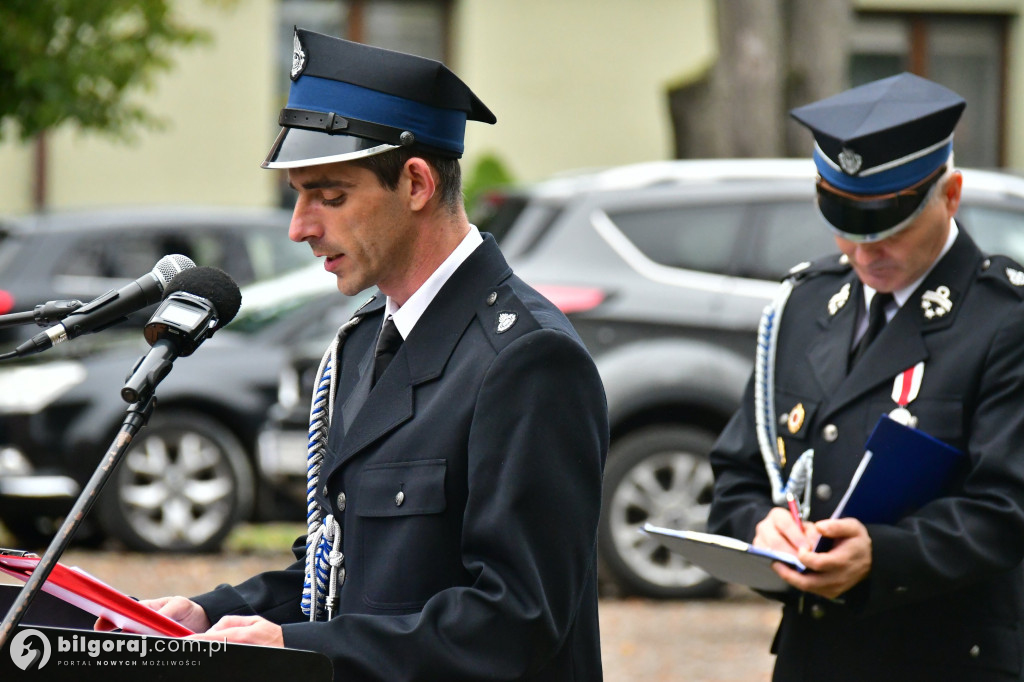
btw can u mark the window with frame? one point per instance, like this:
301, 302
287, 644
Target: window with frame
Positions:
965, 52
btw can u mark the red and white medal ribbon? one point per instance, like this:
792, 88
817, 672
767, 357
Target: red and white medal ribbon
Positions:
905, 388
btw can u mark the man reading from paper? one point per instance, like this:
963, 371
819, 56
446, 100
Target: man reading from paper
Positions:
910, 304
459, 427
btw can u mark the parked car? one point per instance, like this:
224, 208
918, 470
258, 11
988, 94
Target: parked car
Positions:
82, 254
191, 474
664, 270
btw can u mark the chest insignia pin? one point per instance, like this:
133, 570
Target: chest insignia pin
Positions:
839, 299
505, 321
936, 303
796, 418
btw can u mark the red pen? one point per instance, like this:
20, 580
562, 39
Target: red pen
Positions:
791, 501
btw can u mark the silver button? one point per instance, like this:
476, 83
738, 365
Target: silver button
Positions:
341, 576
784, 419
399, 498
986, 264
975, 651
823, 492
817, 611
341, 501
492, 298
325, 490
830, 433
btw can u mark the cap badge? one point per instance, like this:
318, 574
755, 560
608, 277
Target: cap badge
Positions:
505, 321
850, 161
796, 418
298, 57
836, 303
1016, 277
936, 303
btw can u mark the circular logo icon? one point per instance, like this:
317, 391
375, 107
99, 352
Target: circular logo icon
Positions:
30, 649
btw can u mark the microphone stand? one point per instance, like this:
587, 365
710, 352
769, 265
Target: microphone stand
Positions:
52, 311
137, 416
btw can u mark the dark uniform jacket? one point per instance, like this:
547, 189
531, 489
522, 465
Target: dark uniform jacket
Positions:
492, 422
944, 599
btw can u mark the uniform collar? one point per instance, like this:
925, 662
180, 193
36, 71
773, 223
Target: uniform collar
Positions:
409, 314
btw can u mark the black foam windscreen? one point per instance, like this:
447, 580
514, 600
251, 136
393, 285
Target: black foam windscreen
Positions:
210, 283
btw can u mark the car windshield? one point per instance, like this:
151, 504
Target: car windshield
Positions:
264, 303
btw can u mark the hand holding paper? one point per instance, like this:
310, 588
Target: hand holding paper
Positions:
833, 573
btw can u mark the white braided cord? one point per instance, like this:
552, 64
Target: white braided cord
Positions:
799, 482
324, 563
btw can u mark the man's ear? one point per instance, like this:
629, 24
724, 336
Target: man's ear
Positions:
952, 196
422, 183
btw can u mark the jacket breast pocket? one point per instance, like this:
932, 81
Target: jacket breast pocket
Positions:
402, 489
403, 533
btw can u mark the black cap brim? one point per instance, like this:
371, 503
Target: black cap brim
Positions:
295, 148
870, 219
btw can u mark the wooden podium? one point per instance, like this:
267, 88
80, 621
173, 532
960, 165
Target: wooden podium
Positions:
55, 641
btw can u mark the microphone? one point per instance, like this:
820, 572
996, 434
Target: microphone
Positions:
197, 303
110, 308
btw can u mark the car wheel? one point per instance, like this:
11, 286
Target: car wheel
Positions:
182, 486
660, 475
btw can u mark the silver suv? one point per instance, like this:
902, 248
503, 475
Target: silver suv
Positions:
664, 269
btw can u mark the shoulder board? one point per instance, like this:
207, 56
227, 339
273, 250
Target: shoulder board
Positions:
1004, 271
504, 316
833, 264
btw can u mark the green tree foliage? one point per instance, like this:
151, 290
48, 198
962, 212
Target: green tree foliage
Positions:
78, 60
488, 173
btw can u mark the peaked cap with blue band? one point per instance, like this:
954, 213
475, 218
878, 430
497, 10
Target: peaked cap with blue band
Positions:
882, 143
350, 100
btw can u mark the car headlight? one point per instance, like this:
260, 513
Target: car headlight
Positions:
30, 389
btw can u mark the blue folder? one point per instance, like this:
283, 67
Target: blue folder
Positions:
902, 469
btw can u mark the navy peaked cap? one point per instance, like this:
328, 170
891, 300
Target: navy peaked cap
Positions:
350, 100
876, 139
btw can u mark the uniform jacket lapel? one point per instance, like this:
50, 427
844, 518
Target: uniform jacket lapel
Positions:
425, 353
833, 340
901, 343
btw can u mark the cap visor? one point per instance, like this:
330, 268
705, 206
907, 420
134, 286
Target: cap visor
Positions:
295, 148
862, 222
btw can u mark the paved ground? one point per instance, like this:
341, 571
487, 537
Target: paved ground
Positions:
707, 641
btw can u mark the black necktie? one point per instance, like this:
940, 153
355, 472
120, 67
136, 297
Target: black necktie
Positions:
388, 343
876, 321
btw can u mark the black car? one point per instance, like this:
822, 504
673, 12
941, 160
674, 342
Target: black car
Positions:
78, 255
191, 474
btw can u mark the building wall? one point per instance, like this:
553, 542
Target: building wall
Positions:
578, 83
574, 83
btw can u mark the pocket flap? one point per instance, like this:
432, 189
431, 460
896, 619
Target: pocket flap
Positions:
402, 489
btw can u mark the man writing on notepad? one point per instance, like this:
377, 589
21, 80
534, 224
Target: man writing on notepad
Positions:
911, 321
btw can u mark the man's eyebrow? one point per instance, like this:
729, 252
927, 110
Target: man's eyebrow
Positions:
322, 183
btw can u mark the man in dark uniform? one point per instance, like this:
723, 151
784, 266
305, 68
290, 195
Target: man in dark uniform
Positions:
914, 321
459, 429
